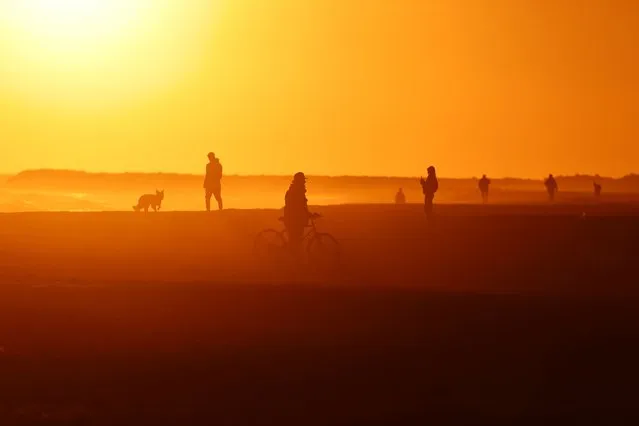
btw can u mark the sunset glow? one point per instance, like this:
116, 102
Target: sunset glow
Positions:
74, 55
61, 23
329, 87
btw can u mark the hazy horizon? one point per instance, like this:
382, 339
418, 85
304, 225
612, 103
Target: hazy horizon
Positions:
354, 175
55, 190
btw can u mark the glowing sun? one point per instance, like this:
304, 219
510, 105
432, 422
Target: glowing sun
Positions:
64, 24
93, 51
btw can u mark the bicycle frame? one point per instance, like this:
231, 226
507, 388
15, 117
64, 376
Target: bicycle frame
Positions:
307, 235
314, 241
312, 229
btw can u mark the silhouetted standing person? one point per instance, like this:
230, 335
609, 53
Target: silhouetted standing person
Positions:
400, 197
213, 182
296, 214
551, 187
429, 188
484, 185
597, 189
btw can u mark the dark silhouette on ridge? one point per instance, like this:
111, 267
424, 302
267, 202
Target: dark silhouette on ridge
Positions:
213, 182
150, 200
429, 188
597, 189
484, 186
551, 187
296, 214
400, 197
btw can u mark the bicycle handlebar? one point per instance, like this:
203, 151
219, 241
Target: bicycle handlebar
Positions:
311, 216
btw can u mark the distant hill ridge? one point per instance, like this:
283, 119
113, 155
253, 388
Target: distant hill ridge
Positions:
51, 178
75, 174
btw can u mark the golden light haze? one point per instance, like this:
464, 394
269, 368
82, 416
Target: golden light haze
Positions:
378, 87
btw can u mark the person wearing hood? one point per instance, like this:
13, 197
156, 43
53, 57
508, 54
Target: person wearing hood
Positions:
213, 182
430, 185
296, 214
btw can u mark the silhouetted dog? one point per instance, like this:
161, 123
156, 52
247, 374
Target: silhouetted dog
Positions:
150, 200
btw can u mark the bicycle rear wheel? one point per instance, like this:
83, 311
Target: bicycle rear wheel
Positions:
269, 244
323, 251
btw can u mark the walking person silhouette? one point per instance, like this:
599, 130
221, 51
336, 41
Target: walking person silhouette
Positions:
429, 187
551, 187
484, 186
597, 189
213, 182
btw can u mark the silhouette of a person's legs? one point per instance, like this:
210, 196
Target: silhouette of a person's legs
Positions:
295, 237
207, 199
217, 193
213, 192
428, 206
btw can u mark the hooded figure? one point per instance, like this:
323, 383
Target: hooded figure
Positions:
551, 187
400, 197
484, 185
429, 188
296, 212
213, 182
597, 188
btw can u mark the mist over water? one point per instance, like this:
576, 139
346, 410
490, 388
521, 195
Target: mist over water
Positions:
189, 200
34, 191
56, 200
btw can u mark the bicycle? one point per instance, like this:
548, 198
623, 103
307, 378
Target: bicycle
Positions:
322, 249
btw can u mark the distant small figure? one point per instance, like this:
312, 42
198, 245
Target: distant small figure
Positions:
484, 185
400, 197
150, 200
213, 182
429, 188
296, 214
597, 189
551, 187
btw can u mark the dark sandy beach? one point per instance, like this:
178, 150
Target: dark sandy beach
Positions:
494, 315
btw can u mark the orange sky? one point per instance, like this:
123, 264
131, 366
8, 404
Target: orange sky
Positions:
380, 87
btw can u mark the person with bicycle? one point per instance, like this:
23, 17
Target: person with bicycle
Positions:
322, 249
296, 214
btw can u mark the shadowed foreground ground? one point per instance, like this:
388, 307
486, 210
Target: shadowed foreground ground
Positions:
498, 315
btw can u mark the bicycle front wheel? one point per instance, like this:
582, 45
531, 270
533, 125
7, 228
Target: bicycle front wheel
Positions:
323, 251
269, 244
